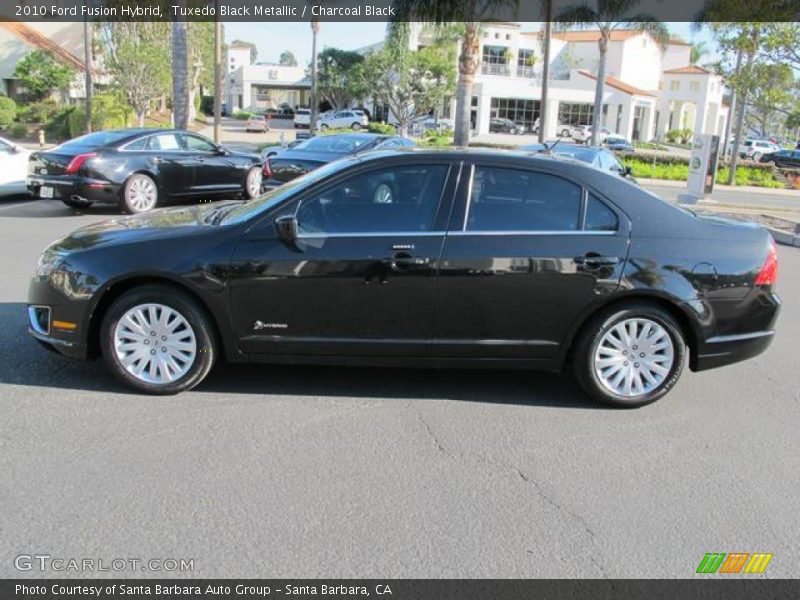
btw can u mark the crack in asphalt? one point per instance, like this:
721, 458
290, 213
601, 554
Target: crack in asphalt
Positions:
522, 476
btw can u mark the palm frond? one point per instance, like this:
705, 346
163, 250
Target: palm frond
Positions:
646, 23
576, 16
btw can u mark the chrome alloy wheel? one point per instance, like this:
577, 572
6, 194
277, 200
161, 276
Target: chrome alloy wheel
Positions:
254, 183
142, 194
155, 343
634, 357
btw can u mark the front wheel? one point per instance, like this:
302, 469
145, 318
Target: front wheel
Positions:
323, 127
565, 133
252, 187
756, 156
356, 126
629, 356
157, 340
140, 194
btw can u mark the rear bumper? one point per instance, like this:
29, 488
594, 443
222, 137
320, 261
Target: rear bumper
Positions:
69, 187
729, 349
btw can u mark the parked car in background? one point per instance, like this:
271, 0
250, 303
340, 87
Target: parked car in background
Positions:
13, 167
257, 123
302, 118
755, 149
352, 119
599, 158
139, 169
498, 125
429, 123
783, 158
315, 152
617, 143
386, 259
583, 133
277, 149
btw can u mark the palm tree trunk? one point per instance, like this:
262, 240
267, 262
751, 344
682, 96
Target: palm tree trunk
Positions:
314, 102
180, 74
217, 75
467, 64
548, 26
88, 65
599, 89
742, 102
732, 109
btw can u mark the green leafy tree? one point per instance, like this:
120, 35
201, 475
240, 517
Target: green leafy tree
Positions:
336, 80
200, 40
8, 112
470, 14
410, 83
772, 92
137, 56
41, 74
287, 59
608, 16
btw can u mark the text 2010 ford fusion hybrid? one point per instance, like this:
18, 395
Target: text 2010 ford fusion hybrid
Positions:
417, 257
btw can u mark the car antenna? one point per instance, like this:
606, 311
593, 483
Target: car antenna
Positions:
548, 149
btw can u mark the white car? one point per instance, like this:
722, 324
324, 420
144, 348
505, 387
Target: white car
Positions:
302, 118
755, 149
583, 133
257, 123
13, 167
426, 123
354, 119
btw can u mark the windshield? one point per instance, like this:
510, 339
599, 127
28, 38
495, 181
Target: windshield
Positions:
336, 144
95, 140
585, 155
277, 195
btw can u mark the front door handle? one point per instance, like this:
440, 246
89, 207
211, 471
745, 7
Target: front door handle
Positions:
591, 261
403, 261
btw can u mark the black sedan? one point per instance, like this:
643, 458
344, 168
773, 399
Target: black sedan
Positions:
140, 168
316, 151
426, 258
505, 126
783, 158
599, 158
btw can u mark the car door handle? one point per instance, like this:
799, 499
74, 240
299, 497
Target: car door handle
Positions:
403, 261
591, 261
157, 159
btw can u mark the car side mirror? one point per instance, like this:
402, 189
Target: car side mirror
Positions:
626, 172
286, 226
222, 151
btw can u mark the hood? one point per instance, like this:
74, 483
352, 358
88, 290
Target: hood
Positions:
160, 223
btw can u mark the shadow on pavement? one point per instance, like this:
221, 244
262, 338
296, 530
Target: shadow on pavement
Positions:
24, 362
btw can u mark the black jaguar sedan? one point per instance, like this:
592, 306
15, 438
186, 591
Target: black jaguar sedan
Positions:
141, 168
417, 257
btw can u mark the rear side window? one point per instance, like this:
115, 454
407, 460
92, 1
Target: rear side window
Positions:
516, 200
137, 145
164, 141
599, 217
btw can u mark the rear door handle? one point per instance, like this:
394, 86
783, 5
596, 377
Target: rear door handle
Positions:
593, 262
403, 261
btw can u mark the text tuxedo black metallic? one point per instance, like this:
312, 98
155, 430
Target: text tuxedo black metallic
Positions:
417, 257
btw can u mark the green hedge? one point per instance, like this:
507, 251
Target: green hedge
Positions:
384, 128
108, 112
8, 112
18, 130
676, 168
242, 115
38, 112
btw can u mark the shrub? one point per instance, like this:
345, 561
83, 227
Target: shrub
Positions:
108, 112
18, 130
242, 115
384, 128
8, 112
58, 128
38, 112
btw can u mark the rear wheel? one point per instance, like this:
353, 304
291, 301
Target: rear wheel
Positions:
323, 126
157, 340
140, 194
756, 156
629, 355
356, 126
252, 188
565, 133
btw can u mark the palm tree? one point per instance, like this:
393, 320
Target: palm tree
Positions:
218, 73
471, 13
699, 50
180, 75
314, 102
608, 16
88, 65
548, 26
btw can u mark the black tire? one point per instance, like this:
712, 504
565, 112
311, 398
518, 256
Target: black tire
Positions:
189, 309
323, 126
76, 204
591, 335
128, 204
356, 126
252, 189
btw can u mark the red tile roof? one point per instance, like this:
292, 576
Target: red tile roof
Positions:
690, 70
41, 42
593, 35
620, 85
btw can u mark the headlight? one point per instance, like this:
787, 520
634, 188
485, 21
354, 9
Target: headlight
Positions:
49, 262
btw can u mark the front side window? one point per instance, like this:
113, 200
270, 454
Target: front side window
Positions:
163, 141
197, 144
400, 199
516, 200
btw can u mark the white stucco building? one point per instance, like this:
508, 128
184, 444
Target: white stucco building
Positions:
259, 86
649, 89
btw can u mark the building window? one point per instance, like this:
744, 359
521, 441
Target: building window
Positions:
674, 85
495, 60
694, 85
525, 61
575, 113
518, 110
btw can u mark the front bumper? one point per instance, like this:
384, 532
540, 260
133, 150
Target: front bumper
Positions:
68, 187
56, 322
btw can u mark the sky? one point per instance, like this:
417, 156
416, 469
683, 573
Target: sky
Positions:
273, 38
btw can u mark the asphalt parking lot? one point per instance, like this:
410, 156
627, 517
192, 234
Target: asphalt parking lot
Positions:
343, 472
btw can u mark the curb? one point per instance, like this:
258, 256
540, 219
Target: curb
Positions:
783, 238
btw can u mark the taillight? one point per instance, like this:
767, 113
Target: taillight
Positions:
768, 275
77, 162
266, 172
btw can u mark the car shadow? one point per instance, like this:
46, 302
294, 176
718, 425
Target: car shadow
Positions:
29, 208
25, 362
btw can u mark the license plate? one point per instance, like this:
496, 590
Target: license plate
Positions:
45, 192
